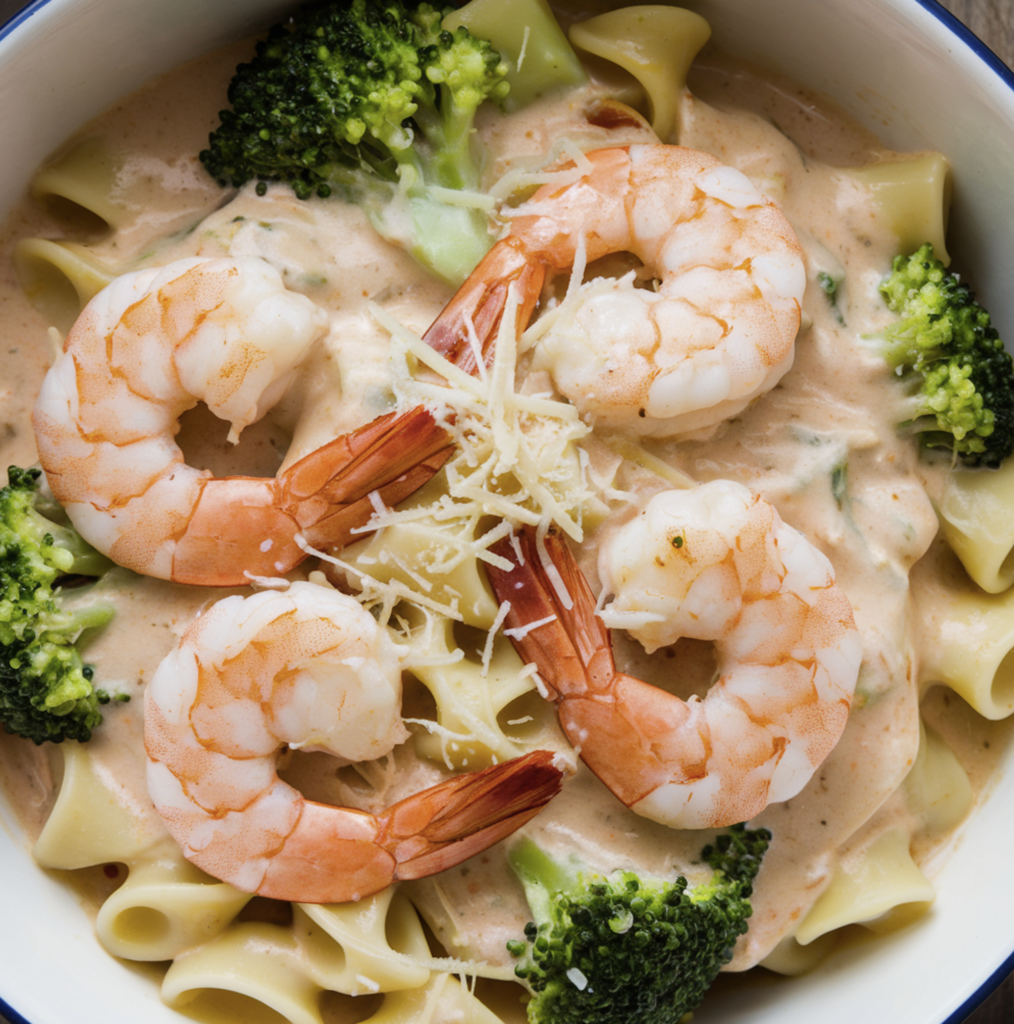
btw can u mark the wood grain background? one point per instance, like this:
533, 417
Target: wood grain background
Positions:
993, 22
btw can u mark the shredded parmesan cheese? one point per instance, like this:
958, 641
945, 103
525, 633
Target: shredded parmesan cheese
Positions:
549, 567
520, 632
267, 582
375, 593
487, 651
545, 172
524, 47
517, 456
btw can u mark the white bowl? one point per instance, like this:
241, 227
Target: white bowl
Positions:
906, 69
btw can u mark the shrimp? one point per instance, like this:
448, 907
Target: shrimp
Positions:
715, 563
719, 328
227, 332
307, 668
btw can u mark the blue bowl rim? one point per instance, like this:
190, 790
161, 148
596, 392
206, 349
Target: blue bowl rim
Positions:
1006, 74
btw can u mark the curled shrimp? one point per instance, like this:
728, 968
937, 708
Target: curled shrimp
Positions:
718, 329
307, 668
228, 333
714, 563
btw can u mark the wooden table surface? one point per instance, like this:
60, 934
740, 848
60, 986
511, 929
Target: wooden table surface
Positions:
993, 22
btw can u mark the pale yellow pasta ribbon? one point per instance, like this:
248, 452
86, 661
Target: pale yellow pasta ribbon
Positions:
970, 651
977, 518
527, 36
59, 278
914, 196
877, 886
656, 45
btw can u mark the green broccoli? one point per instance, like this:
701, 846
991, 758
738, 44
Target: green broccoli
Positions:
946, 347
621, 948
377, 101
46, 693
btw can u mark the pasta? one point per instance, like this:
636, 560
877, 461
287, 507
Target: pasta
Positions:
972, 653
88, 824
915, 197
471, 697
84, 179
914, 545
165, 907
976, 520
376, 946
656, 45
877, 883
526, 33
791, 958
59, 278
439, 559
869, 888
938, 788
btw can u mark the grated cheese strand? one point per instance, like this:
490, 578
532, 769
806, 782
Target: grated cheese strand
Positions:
520, 632
498, 433
545, 172
487, 652
549, 566
375, 592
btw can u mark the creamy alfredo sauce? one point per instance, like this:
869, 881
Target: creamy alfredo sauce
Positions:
820, 447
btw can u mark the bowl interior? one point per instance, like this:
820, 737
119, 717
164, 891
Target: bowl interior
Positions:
897, 65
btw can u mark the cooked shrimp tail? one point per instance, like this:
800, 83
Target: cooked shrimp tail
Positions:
468, 813
571, 638
715, 563
392, 457
479, 304
233, 534
339, 854
229, 333
573, 653
307, 668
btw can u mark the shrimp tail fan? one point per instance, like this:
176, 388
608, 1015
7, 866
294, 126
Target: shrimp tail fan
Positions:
551, 590
391, 457
455, 820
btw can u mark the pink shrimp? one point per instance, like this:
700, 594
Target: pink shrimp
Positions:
226, 332
717, 331
715, 563
308, 668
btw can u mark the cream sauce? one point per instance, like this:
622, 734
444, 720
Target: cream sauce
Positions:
874, 520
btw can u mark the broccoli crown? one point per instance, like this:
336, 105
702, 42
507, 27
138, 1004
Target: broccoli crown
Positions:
46, 693
628, 949
378, 100
946, 343
354, 92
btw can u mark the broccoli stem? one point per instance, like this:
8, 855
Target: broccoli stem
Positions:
84, 560
378, 102
450, 240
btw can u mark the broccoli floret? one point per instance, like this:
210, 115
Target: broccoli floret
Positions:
622, 948
377, 101
944, 344
46, 693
